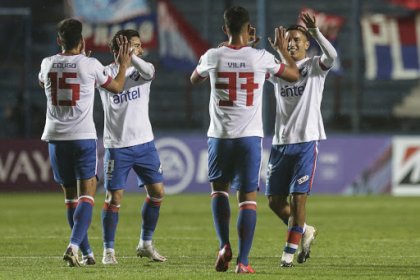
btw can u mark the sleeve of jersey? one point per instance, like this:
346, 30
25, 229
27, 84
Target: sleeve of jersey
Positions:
202, 67
40, 77
146, 69
275, 67
329, 54
103, 78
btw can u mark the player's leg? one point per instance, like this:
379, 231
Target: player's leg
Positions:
62, 164
150, 216
279, 175
220, 162
308, 166
295, 230
247, 220
117, 164
71, 201
149, 171
221, 217
85, 163
279, 204
110, 217
246, 182
306, 154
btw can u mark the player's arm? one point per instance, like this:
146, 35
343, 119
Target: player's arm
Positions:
40, 78
200, 73
196, 78
329, 54
123, 59
146, 69
281, 41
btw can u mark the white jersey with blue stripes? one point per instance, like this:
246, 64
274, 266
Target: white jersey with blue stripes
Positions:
298, 106
126, 115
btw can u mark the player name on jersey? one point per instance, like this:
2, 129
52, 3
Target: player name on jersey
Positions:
236, 65
64, 65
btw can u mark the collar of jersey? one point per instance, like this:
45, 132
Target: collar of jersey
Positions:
235, 47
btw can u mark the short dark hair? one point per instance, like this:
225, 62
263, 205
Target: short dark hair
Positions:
300, 28
235, 18
70, 33
129, 33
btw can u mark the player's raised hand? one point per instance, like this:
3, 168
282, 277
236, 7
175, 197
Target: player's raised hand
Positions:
308, 20
253, 39
83, 49
281, 40
124, 51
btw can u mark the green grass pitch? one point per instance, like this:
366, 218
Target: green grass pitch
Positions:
372, 237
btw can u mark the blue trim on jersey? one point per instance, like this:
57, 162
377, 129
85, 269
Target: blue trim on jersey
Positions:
291, 168
143, 159
236, 161
73, 160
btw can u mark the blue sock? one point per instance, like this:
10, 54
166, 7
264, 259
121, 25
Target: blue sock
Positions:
150, 216
247, 220
71, 208
294, 235
221, 216
109, 224
82, 219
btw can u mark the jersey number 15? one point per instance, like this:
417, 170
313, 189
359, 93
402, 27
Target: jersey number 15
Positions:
61, 83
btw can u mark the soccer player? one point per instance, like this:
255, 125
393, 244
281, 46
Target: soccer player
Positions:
237, 73
69, 80
128, 141
298, 129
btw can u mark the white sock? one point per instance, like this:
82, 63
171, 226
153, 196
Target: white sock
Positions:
107, 250
286, 257
74, 247
145, 243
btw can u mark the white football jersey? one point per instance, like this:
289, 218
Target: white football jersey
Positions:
237, 78
298, 116
69, 82
126, 115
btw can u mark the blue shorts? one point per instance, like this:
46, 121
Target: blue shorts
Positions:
143, 159
291, 168
235, 161
73, 160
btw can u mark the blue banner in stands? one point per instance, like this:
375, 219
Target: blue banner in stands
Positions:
107, 11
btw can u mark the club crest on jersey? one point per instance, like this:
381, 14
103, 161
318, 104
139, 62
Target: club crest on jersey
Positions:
304, 71
135, 76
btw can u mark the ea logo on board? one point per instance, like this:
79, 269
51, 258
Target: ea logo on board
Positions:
178, 164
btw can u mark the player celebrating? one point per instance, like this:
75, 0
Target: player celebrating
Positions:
237, 74
69, 80
128, 141
298, 129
